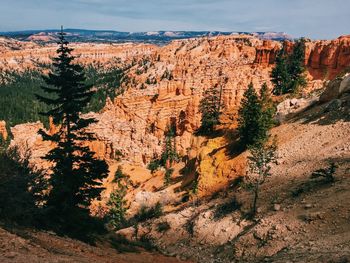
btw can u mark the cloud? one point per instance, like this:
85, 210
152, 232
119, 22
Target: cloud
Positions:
312, 18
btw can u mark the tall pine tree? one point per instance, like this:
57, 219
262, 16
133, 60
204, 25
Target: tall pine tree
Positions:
77, 175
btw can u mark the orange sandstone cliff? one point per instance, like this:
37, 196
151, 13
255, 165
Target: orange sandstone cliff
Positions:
167, 84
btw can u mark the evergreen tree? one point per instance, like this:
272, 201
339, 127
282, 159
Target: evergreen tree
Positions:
169, 154
251, 128
268, 107
117, 202
280, 76
77, 175
210, 108
296, 66
259, 162
288, 74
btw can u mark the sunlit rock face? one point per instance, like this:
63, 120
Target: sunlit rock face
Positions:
3, 131
167, 83
326, 59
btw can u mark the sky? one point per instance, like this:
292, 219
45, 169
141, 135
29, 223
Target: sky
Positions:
316, 19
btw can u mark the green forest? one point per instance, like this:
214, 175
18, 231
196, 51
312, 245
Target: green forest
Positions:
18, 103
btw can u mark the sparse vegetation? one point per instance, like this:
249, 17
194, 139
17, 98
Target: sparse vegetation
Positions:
151, 80
117, 202
163, 227
154, 98
167, 176
154, 165
259, 162
226, 208
146, 213
194, 187
169, 155
167, 75
326, 173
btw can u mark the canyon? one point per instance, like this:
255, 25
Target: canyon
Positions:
167, 83
164, 88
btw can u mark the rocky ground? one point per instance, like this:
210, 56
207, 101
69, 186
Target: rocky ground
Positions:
20, 246
300, 219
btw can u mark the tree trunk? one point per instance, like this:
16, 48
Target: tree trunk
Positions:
256, 193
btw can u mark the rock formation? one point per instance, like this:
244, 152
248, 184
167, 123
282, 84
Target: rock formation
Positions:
326, 59
167, 83
3, 130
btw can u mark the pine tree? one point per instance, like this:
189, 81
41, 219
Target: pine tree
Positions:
259, 162
268, 107
169, 155
296, 66
210, 108
77, 175
117, 202
288, 74
280, 76
251, 129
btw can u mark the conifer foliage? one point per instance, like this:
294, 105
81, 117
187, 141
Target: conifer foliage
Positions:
288, 74
260, 160
210, 108
76, 174
255, 116
117, 202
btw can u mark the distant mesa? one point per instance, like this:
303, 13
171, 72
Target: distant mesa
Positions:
154, 37
42, 37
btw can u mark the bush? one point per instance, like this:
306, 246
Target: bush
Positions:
20, 190
118, 175
227, 208
163, 227
167, 177
146, 213
154, 165
327, 173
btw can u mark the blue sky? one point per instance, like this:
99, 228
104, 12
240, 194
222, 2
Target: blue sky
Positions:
323, 19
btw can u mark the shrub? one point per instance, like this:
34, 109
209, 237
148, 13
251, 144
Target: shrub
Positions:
167, 177
259, 162
146, 213
21, 190
227, 208
327, 173
163, 227
119, 175
154, 165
